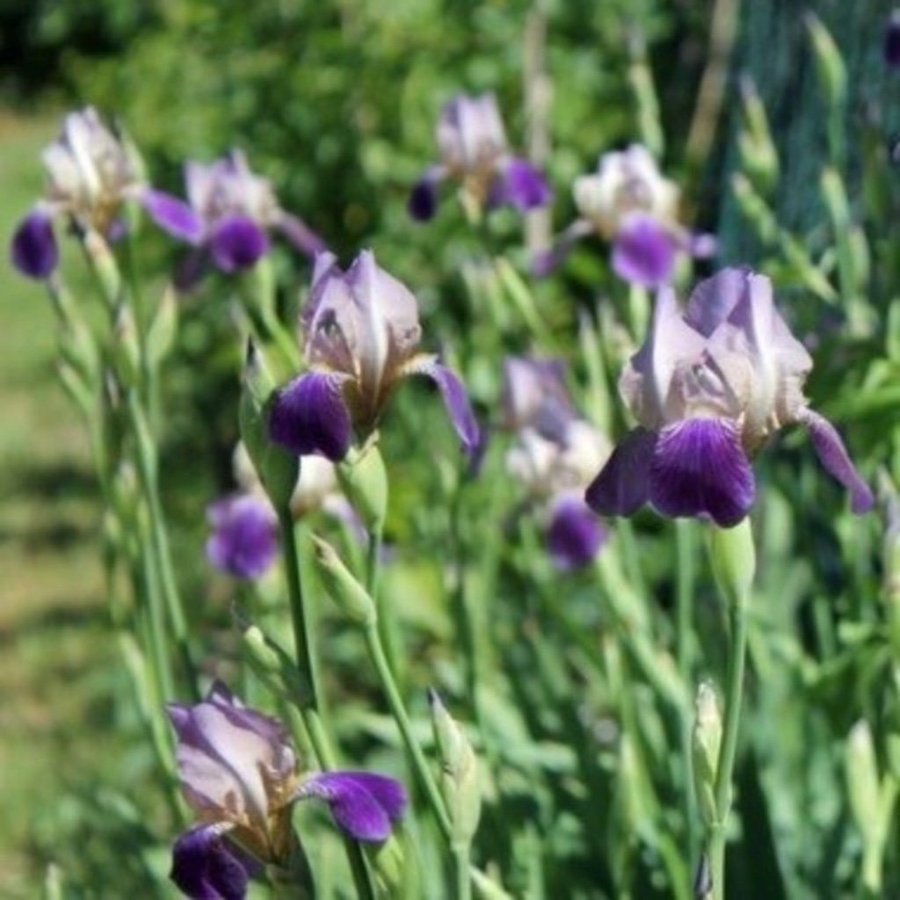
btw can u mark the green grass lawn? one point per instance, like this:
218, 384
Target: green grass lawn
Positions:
52, 620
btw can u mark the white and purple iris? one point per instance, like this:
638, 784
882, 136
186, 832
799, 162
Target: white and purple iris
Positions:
91, 172
555, 456
708, 388
473, 151
361, 339
629, 203
239, 774
232, 211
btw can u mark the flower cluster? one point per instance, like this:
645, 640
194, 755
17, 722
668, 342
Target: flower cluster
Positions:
555, 455
629, 203
708, 388
239, 774
474, 151
361, 339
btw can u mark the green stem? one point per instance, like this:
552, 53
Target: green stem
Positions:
147, 462
685, 544
398, 710
463, 878
309, 705
733, 694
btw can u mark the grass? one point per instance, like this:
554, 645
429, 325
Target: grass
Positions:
53, 645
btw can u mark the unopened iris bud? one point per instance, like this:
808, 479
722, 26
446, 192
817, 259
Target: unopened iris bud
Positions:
862, 779
829, 63
126, 494
126, 349
273, 665
758, 153
78, 349
733, 559
164, 327
277, 469
364, 480
389, 866
350, 596
459, 772
103, 261
706, 743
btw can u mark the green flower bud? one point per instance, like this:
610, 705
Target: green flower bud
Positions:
104, 265
862, 780
274, 666
733, 560
706, 742
277, 469
829, 63
388, 865
459, 772
126, 348
758, 153
164, 327
348, 594
364, 481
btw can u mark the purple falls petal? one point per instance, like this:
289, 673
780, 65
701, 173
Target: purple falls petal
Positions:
623, 485
892, 41
204, 867
237, 242
363, 805
519, 184
173, 215
575, 535
834, 457
309, 416
300, 235
456, 400
644, 253
244, 539
700, 469
423, 198
33, 250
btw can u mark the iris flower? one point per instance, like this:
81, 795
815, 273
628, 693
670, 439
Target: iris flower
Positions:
362, 335
711, 384
92, 171
473, 151
629, 203
239, 774
232, 211
554, 457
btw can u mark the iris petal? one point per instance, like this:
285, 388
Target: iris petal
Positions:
623, 485
205, 868
834, 457
699, 468
363, 804
575, 535
644, 253
33, 251
237, 242
173, 215
309, 416
456, 400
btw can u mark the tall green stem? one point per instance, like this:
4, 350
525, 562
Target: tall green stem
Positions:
398, 710
734, 564
461, 866
309, 705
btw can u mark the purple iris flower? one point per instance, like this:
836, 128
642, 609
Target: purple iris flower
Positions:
709, 386
629, 203
239, 774
361, 339
555, 455
473, 150
244, 539
232, 210
92, 171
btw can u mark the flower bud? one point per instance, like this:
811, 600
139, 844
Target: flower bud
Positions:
126, 493
459, 772
733, 560
273, 665
164, 327
350, 596
706, 743
829, 63
364, 480
757, 149
277, 469
104, 264
126, 349
862, 779
388, 865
